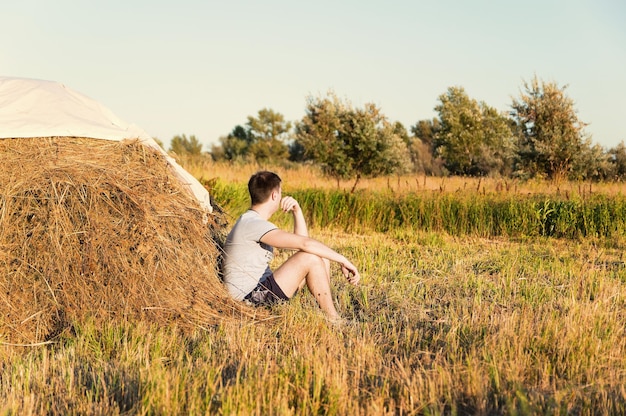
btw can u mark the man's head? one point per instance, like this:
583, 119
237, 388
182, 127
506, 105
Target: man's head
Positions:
261, 185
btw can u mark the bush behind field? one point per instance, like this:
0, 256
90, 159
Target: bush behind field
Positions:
462, 213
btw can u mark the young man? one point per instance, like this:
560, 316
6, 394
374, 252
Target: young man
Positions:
249, 250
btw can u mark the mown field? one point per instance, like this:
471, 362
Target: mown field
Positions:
477, 297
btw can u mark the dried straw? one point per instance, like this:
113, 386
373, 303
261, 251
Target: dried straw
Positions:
101, 230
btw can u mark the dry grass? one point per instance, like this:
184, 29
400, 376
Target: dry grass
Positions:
441, 324
100, 229
300, 176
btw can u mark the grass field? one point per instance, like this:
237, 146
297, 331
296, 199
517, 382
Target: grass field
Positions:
443, 323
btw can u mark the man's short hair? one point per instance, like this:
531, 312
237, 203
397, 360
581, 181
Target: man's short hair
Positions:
261, 185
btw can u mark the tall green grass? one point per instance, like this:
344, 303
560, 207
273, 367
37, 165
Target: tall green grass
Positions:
461, 213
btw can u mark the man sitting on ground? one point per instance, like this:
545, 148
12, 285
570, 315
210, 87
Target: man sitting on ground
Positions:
249, 250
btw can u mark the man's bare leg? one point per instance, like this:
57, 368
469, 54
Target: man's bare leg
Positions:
313, 270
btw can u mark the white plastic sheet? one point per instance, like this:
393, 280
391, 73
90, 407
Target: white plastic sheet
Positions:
37, 108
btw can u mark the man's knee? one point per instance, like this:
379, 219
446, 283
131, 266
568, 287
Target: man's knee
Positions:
311, 260
326, 263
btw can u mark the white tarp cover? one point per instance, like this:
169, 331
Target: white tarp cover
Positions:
37, 108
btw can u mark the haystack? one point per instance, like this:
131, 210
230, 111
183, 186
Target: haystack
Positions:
101, 230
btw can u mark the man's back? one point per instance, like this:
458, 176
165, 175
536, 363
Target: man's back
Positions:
246, 258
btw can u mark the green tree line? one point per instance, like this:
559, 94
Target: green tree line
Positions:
540, 136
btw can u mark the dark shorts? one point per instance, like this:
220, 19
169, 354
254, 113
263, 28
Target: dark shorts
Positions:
266, 293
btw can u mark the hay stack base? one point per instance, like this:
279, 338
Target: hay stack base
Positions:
93, 229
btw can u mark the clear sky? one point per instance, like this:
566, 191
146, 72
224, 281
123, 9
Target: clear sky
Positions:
202, 67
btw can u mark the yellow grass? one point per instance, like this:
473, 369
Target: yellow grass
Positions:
439, 325
301, 176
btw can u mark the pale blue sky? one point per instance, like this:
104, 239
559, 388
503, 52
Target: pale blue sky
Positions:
201, 67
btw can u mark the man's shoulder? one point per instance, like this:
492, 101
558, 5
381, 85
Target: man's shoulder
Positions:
251, 224
251, 217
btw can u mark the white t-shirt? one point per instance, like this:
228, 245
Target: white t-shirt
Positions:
246, 258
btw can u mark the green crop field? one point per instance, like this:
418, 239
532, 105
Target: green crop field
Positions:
476, 298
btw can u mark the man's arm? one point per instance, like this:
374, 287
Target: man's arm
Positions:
289, 204
282, 239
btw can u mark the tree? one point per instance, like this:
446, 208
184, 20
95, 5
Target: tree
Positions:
183, 146
318, 135
351, 143
234, 146
268, 134
497, 150
617, 158
400, 131
473, 138
263, 139
551, 135
421, 147
426, 131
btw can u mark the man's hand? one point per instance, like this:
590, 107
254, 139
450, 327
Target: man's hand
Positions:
351, 273
289, 204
